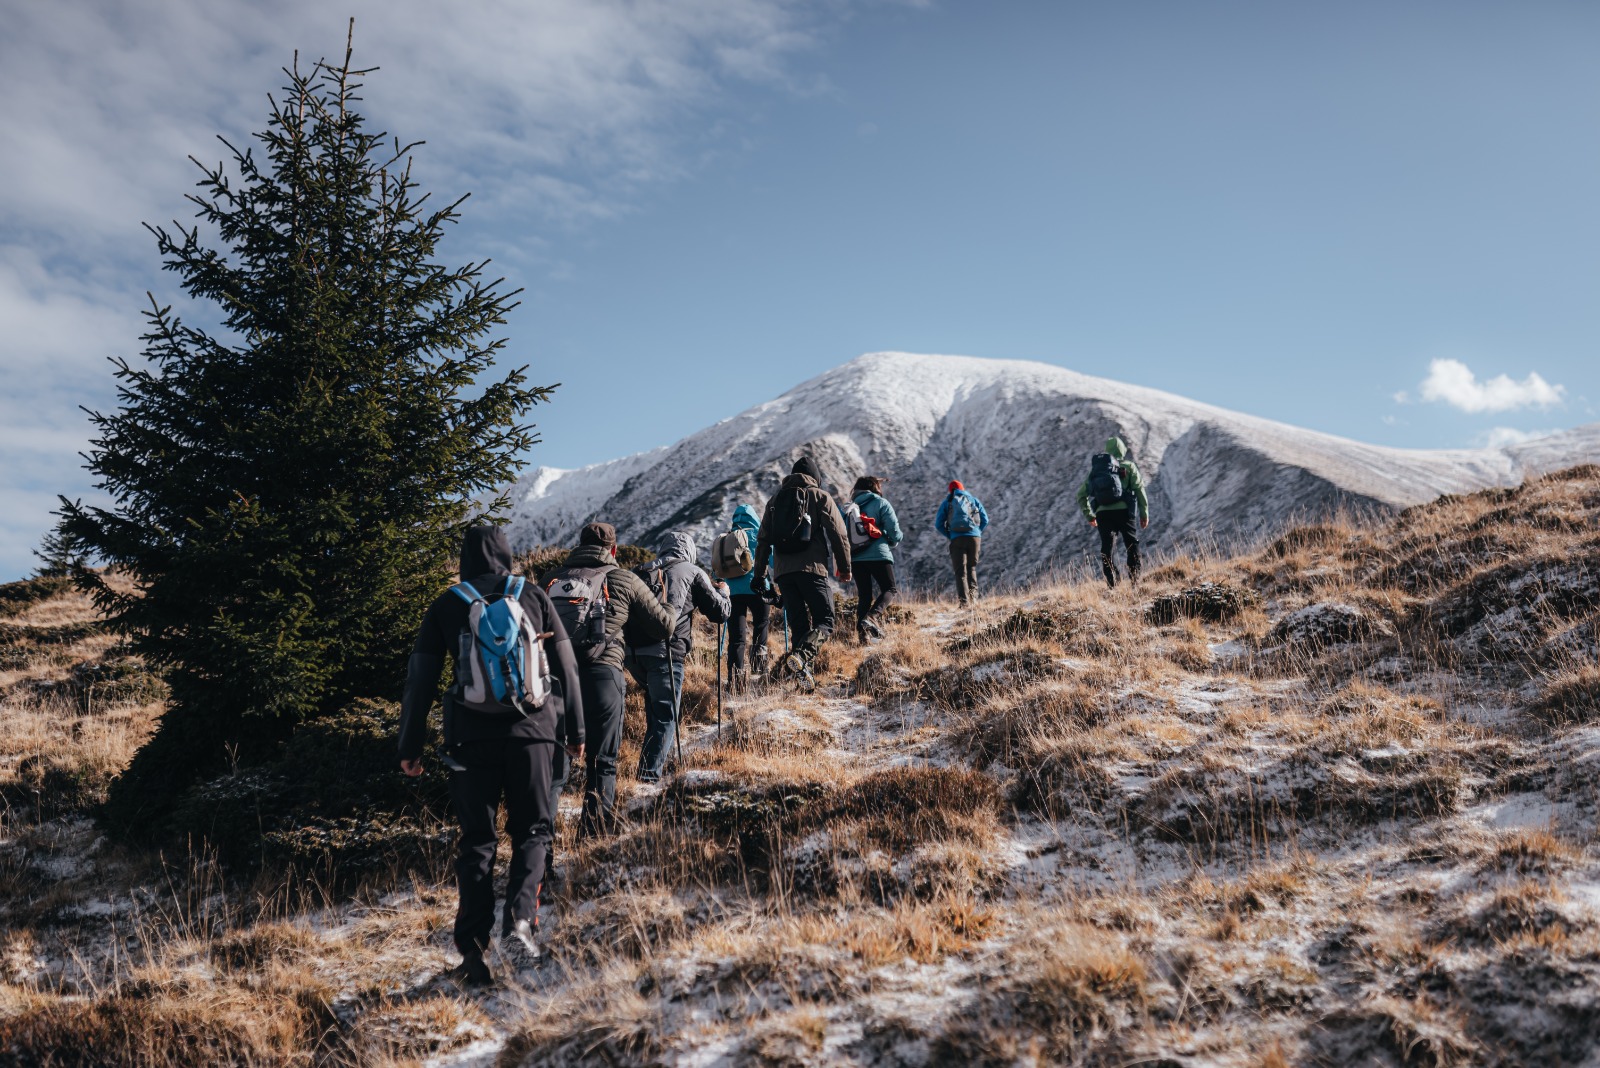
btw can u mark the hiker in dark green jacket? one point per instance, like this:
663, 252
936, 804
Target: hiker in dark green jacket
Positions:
1111, 497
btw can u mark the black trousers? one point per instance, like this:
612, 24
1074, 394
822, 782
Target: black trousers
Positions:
871, 573
518, 771
1110, 524
808, 606
747, 633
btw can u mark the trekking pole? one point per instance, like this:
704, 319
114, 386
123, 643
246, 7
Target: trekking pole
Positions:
722, 629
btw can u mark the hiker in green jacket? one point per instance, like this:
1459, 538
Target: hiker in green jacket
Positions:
1111, 497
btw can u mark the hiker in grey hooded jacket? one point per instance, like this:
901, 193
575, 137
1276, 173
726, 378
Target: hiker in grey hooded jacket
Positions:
658, 667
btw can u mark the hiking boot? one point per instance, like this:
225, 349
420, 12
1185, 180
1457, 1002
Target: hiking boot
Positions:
805, 682
519, 947
791, 666
472, 973
874, 628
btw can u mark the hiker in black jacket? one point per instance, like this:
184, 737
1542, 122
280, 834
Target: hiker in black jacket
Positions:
801, 531
658, 666
493, 756
632, 613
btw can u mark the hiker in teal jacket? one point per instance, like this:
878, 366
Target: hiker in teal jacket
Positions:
1113, 513
747, 626
872, 559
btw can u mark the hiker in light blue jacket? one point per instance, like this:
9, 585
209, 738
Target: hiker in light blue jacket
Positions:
874, 532
963, 520
747, 626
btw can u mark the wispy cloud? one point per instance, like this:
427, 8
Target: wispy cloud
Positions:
554, 113
1453, 382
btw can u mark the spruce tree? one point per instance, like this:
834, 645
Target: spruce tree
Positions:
290, 485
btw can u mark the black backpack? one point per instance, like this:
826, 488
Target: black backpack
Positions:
1105, 479
790, 520
580, 597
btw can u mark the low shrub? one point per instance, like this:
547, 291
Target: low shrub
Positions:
19, 595
1213, 602
334, 802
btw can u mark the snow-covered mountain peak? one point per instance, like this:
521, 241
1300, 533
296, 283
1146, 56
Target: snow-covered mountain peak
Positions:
1019, 434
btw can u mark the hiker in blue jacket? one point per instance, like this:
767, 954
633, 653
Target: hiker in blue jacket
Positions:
747, 626
874, 531
963, 520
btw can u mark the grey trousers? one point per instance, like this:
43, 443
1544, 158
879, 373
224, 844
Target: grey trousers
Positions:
964, 558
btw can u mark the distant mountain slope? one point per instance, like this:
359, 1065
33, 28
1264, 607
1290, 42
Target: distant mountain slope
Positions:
1019, 435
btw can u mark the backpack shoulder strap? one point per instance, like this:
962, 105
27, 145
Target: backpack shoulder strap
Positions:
467, 592
513, 587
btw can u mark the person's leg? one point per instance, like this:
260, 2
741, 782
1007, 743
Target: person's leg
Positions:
761, 620
974, 548
475, 796
739, 633
818, 596
529, 823
603, 692
1106, 526
660, 716
795, 609
1130, 542
959, 565
887, 591
864, 575
560, 774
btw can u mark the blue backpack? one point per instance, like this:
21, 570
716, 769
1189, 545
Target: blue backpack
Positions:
964, 518
501, 668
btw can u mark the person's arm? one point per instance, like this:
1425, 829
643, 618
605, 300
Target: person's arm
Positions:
1083, 502
564, 666
941, 520
649, 620
983, 516
1137, 481
890, 526
711, 600
763, 553
838, 537
422, 682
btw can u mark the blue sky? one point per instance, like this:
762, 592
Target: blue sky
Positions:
1374, 219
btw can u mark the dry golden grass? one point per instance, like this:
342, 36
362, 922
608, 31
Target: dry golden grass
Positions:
1104, 843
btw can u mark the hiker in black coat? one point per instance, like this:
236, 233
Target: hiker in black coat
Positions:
493, 757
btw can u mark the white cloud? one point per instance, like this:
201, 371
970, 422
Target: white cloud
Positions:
551, 112
1502, 437
1453, 383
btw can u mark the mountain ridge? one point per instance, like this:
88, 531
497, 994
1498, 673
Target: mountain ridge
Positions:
1019, 433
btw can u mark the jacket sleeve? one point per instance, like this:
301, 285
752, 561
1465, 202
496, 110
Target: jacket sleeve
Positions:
1083, 500
891, 526
422, 682
564, 666
712, 602
1138, 490
983, 516
838, 538
764, 549
648, 619
941, 520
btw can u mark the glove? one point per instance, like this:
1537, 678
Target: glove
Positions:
761, 586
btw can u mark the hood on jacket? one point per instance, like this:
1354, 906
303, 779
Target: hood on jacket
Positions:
1116, 448
676, 545
485, 551
807, 466
799, 480
745, 518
